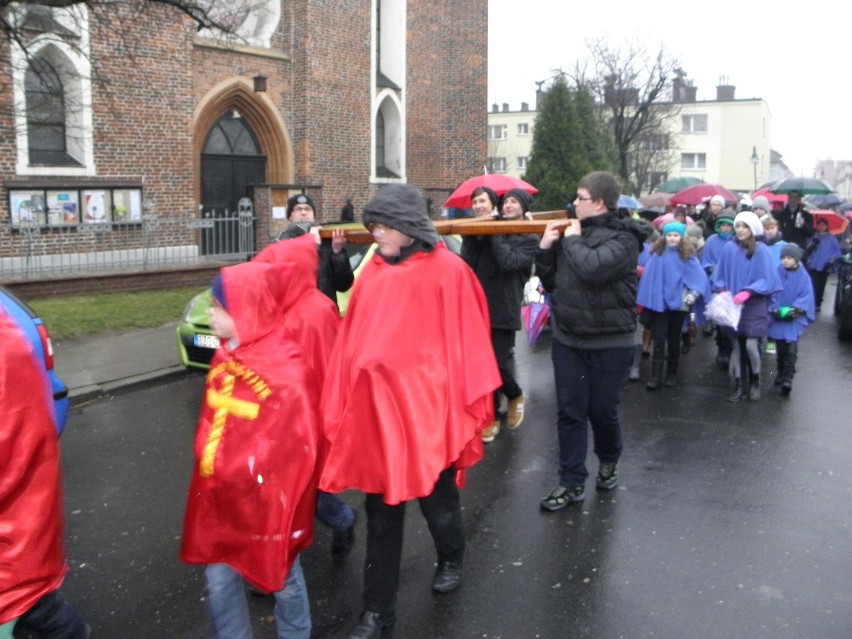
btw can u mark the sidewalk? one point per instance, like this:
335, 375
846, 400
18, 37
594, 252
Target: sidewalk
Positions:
98, 365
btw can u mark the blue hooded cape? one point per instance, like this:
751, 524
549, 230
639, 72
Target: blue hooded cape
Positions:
827, 248
665, 277
735, 272
712, 249
798, 292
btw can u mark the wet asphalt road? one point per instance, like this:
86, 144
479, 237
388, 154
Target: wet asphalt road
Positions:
730, 520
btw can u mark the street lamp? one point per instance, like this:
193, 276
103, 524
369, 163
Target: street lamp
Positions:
754, 162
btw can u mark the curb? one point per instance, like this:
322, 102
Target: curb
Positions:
86, 394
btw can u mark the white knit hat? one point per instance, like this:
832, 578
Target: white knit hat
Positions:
751, 221
717, 199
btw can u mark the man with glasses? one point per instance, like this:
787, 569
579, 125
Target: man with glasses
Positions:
797, 225
407, 396
589, 267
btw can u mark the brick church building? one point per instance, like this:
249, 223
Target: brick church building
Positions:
109, 117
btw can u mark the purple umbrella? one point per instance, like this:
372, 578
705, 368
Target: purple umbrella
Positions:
535, 316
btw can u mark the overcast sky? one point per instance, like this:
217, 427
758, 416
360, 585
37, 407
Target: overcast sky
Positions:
791, 55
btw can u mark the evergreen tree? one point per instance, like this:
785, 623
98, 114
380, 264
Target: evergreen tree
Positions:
568, 142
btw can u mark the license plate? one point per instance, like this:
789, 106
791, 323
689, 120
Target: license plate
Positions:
206, 341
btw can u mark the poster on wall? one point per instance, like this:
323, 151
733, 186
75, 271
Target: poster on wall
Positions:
95, 206
127, 205
27, 207
63, 207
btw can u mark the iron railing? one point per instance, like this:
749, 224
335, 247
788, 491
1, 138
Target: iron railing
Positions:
31, 252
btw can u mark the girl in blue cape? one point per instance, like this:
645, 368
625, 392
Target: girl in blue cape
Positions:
820, 255
672, 282
791, 311
724, 228
746, 270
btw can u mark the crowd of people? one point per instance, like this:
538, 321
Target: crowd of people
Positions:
395, 402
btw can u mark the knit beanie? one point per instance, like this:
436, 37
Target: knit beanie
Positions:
524, 198
219, 291
722, 220
299, 198
489, 192
751, 221
792, 250
402, 207
674, 227
717, 199
760, 202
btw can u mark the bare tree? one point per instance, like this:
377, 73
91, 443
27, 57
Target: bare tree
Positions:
633, 89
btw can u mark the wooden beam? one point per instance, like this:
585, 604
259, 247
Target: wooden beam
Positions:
466, 226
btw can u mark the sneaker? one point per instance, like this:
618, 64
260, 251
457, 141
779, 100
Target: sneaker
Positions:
491, 432
560, 497
607, 476
633, 374
770, 348
515, 412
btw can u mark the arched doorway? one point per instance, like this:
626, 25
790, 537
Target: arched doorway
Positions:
231, 163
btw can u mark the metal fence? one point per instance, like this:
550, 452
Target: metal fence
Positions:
32, 252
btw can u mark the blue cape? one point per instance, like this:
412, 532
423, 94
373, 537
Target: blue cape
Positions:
798, 292
665, 277
827, 248
712, 248
735, 272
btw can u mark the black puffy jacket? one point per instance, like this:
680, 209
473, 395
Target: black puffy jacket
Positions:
503, 264
592, 280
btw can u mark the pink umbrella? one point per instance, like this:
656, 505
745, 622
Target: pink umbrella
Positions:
658, 222
698, 193
535, 316
773, 198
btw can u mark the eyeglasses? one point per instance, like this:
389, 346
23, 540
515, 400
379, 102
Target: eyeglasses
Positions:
581, 199
377, 229
302, 209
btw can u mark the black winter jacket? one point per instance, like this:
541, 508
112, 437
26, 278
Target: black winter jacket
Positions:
592, 281
503, 264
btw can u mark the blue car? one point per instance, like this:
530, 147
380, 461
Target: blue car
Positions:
37, 334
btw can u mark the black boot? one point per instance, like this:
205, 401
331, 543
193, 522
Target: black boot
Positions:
671, 373
754, 391
738, 391
656, 375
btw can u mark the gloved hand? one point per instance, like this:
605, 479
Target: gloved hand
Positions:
689, 298
794, 313
741, 297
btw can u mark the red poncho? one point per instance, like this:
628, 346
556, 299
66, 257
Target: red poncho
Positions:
252, 495
32, 554
410, 381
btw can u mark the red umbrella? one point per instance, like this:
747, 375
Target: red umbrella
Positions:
836, 223
774, 198
497, 182
698, 193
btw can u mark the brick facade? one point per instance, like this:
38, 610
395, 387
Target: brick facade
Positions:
158, 96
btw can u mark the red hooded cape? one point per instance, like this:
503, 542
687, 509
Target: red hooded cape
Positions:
252, 495
32, 554
314, 321
410, 381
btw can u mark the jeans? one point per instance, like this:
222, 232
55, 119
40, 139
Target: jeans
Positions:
226, 596
442, 511
334, 512
588, 390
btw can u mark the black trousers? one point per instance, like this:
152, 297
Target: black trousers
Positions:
503, 342
666, 327
819, 279
52, 618
442, 511
786, 354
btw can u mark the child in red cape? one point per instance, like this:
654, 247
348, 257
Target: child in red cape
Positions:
253, 490
32, 548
